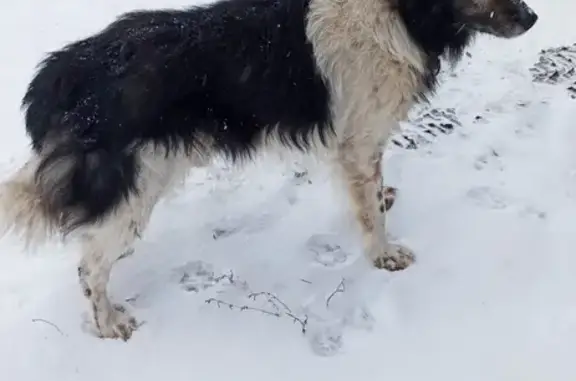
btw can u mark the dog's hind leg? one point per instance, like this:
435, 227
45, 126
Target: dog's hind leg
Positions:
102, 246
360, 162
105, 243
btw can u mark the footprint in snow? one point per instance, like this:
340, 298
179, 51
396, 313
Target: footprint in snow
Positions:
326, 340
280, 203
557, 66
246, 225
490, 198
326, 251
196, 276
426, 126
487, 197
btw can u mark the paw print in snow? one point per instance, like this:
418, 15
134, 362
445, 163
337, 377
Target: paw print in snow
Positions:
326, 340
487, 197
327, 252
196, 276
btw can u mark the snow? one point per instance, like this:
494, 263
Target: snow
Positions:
488, 209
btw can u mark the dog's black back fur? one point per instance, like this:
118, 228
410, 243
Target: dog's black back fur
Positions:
230, 71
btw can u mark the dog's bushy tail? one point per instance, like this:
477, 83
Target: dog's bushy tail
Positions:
55, 193
22, 210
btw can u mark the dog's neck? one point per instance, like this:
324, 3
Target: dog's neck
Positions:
434, 27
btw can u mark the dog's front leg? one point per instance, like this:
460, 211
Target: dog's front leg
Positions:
360, 161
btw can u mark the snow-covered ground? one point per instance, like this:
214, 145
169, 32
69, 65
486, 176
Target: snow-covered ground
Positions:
490, 210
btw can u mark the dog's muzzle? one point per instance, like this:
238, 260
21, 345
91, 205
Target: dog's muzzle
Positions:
525, 16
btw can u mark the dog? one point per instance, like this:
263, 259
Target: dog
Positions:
118, 119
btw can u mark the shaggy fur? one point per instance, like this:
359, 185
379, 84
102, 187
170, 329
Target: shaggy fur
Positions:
118, 119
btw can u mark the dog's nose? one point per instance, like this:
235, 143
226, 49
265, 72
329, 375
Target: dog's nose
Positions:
528, 18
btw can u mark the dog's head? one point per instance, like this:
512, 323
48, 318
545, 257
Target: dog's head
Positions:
441, 26
501, 18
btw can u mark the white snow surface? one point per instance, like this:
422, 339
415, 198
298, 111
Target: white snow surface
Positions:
489, 211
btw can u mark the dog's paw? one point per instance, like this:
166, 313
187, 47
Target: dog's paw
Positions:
116, 324
394, 258
388, 196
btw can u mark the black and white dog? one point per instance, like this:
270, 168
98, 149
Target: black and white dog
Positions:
118, 119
